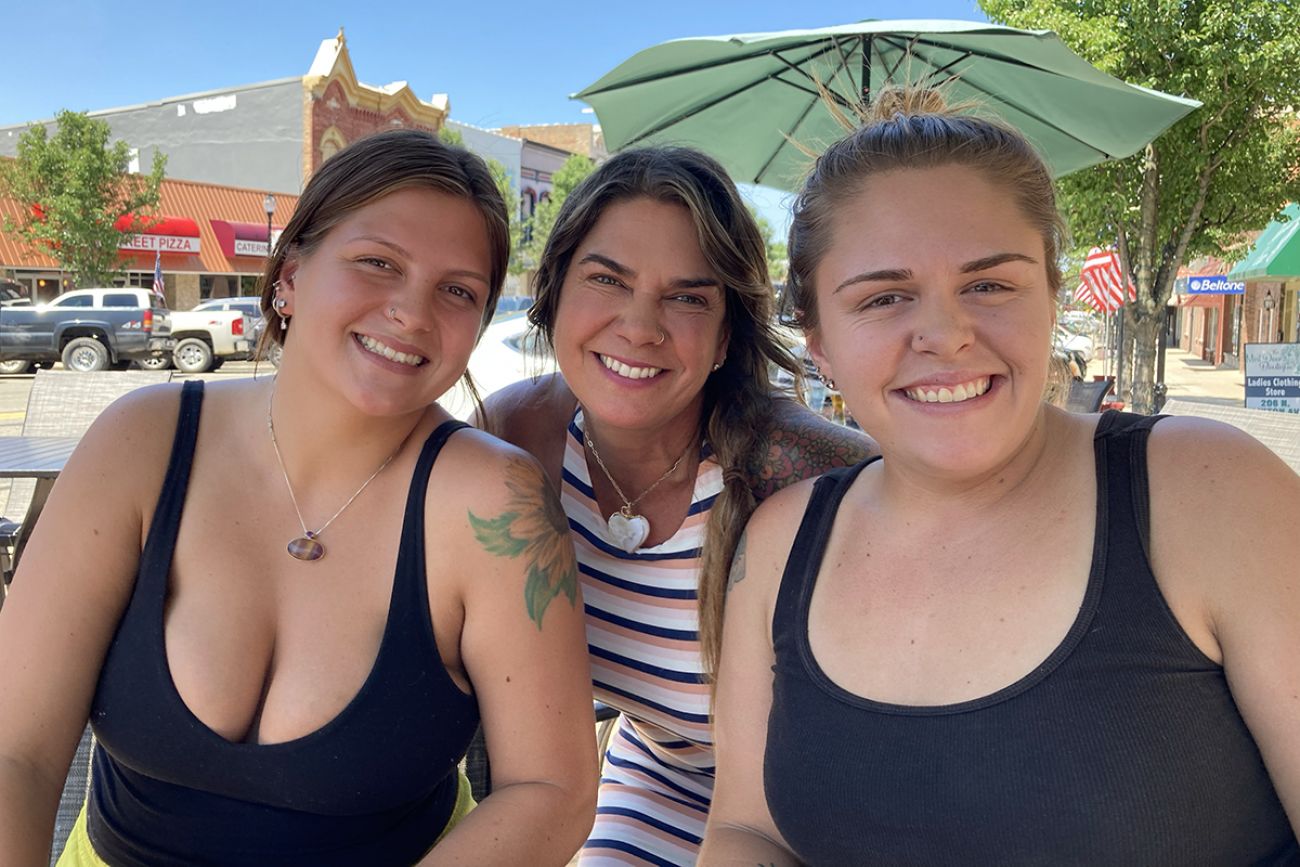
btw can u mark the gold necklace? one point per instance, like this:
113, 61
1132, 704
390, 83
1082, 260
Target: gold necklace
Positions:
308, 546
627, 527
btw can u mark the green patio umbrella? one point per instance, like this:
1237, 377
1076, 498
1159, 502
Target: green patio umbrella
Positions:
739, 97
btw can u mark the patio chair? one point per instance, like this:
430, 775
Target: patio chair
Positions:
1279, 431
61, 404
64, 403
1087, 396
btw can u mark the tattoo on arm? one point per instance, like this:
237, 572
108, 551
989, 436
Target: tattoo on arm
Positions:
737, 573
802, 448
533, 526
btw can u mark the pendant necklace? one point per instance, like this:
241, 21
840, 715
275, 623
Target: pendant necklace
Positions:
308, 546
628, 528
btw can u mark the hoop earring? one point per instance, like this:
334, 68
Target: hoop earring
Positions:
278, 304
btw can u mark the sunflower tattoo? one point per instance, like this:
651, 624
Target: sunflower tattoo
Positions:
533, 526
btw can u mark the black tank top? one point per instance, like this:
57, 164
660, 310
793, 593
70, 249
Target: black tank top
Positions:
376, 785
1124, 747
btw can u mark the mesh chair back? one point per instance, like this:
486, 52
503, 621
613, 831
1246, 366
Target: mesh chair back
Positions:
1087, 396
1279, 431
64, 404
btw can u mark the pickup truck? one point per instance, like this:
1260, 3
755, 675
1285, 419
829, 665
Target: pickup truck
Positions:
205, 339
86, 329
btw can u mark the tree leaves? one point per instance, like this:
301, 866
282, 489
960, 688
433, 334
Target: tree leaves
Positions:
74, 186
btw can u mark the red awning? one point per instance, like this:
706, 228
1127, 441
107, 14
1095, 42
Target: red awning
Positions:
167, 235
242, 239
1201, 300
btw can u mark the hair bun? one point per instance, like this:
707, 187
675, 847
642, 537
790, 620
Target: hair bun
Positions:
905, 101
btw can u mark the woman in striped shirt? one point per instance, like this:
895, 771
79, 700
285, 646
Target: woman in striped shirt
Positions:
661, 432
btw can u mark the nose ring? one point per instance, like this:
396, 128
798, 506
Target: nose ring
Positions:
662, 337
392, 312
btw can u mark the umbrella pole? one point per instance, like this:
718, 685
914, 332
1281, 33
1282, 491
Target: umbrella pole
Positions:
867, 44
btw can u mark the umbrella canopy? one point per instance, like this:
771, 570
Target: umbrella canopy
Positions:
739, 97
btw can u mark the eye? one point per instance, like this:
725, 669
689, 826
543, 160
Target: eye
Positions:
606, 280
693, 300
375, 261
986, 287
884, 299
462, 292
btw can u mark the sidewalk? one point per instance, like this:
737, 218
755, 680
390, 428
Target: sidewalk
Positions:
1190, 378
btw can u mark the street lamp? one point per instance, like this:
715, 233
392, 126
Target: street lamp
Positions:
269, 204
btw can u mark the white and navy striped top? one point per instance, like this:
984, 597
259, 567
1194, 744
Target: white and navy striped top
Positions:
643, 615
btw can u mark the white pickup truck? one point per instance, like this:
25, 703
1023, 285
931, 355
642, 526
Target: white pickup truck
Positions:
205, 339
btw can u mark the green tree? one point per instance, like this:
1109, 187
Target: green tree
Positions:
777, 258
564, 181
449, 136
1224, 170
74, 186
502, 176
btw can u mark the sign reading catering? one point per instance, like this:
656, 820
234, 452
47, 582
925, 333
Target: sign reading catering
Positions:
1273, 376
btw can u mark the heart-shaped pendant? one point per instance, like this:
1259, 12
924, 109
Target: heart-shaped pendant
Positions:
629, 531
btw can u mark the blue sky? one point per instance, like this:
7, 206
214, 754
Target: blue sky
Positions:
499, 62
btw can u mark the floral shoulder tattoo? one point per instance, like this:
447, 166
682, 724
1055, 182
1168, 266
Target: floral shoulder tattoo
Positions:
533, 526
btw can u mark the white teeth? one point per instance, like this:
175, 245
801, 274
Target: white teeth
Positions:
953, 394
627, 371
388, 352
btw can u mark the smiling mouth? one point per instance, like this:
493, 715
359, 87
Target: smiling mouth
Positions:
383, 350
627, 371
949, 393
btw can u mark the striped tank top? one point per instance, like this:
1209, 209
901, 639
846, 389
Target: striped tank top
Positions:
642, 616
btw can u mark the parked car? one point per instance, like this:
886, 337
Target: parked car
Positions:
86, 329
507, 353
205, 339
251, 307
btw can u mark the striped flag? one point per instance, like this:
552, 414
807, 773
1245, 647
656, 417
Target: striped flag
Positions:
1103, 285
158, 285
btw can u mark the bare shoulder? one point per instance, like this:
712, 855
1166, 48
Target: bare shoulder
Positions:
507, 518
801, 444
516, 411
1203, 458
140, 424
1255, 500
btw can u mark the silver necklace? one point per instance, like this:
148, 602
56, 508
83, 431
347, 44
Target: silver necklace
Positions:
308, 546
627, 527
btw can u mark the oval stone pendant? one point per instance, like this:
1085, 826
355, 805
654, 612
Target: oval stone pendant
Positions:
306, 548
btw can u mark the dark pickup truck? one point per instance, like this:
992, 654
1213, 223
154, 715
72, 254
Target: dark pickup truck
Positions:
86, 329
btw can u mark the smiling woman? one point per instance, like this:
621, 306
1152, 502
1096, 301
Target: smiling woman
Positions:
928, 657
397, 579
660, 433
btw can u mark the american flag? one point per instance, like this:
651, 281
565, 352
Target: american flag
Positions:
1103, 285
158, 285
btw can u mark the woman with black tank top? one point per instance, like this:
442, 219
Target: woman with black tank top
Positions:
288, 671
929, 658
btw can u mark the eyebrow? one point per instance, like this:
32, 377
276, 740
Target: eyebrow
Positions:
899, 275
400, 250
623, 271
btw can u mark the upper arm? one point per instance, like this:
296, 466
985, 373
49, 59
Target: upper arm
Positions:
75, 579
1250, 586
743, 695
523, 644
802, 445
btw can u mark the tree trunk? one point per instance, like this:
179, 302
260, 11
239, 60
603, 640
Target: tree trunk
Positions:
1146, 333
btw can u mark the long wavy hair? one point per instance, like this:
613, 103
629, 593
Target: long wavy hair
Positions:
738, 399
369, 169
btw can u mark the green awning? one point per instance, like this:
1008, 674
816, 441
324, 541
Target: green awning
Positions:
1276, 253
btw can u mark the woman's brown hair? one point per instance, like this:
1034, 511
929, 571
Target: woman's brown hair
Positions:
738, 401
369, 169
910, 128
